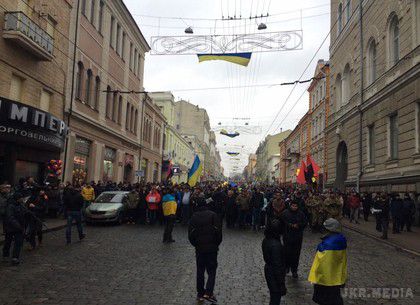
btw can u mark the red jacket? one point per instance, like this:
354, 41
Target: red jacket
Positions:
354, 202
153, 200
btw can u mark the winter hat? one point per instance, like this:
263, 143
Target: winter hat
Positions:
332, 225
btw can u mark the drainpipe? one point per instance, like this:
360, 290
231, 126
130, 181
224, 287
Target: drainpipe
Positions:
359, 176
141, 131
73, 81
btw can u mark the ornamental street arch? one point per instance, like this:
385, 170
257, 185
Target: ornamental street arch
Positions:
341, 165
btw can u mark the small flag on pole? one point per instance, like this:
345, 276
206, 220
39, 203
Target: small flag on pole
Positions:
195, 172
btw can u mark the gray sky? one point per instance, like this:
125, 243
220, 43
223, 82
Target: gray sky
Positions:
260, 104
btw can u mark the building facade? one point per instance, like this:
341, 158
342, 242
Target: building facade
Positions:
34, 53
177, 152
373, 135
104, 142
268, 157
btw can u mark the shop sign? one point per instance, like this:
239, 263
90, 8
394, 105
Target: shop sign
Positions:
24, 124
140, 173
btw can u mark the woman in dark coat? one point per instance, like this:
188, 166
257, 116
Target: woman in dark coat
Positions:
274, 257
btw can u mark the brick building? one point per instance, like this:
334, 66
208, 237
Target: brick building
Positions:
34, 56
373, 136
105, 126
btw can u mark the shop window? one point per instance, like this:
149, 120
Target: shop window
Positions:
81, 160
109, 164
45, 100
16, 88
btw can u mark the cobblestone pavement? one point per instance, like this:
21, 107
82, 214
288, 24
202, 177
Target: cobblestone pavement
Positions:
130, 265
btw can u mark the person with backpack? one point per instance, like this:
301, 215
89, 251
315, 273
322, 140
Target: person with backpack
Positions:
205, 234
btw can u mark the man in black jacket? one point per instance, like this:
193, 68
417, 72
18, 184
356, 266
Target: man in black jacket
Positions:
14, 227
295, 222
205, 234
73, 204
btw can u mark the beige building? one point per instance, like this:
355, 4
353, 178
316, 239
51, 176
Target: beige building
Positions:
373, 137
34, 48
268, 157
176, 149
105, 127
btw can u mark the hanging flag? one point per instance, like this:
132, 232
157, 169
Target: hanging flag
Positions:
311, 170
315, 166
231, 153
242, 59
301, 174
230, 135
195, 172
330, 264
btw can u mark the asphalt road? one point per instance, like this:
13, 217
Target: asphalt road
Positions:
129, 265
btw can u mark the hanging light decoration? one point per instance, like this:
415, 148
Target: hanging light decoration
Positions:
189, 30
262, 26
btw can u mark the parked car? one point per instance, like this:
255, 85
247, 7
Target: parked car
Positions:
108, 207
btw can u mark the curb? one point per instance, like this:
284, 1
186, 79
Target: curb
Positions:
45, 230
387, 242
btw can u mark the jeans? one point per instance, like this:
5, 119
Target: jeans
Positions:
76, 216
292, 255
17, 237
206, 262
185, 213
275, 298
34, 230
169, 226
256, 218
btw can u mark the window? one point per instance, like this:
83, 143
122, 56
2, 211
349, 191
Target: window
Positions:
348, 10
135, 62
131, 56
417, 131
371, 68
97, 91
92, 12
132, 119
115, 107
88, 95
394, 40
371, 144
108, 102
127, 116
112, 34
139, 66
83, 7
393, 136
101, 16
120, 102
118, 42
123, 45
16, 86
338, 92
135, 121
340, 18
345, 87
51, 24
45, 100
79, 80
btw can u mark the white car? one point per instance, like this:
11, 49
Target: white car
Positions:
108, 207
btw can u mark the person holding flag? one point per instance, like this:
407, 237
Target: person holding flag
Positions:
195, 172
329, 269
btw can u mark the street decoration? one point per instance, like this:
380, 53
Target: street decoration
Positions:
230, 135
54, 168
242, 59
231, 153
225, 44
308, 172
195, 172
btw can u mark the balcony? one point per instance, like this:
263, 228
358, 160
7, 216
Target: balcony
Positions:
20, 29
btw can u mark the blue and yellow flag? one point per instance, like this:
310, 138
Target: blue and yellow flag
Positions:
195, 172
330, 264
242, 59
169, 205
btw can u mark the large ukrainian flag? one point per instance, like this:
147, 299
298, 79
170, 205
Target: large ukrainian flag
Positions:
330, 264
195, 172
236, 58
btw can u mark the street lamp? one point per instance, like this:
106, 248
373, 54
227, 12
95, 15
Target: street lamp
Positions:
189, 30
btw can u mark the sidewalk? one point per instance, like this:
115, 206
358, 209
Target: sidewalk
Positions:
405, 241
52, 224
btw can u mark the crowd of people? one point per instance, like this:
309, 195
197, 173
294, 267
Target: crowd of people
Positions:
282, 212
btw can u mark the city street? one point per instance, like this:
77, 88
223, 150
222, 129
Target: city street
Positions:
129, 265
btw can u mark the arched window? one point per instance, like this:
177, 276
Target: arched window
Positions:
79, 79
97, 91
127, 116
345, 86
340, 18
132, 120
108, 105
348, 10
88, 89
394, 40
120, 101
92, 12
115, 107
371, 62
338, 92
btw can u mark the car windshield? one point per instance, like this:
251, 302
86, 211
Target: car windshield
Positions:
110, 198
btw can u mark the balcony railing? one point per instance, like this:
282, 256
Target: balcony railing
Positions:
21, 29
